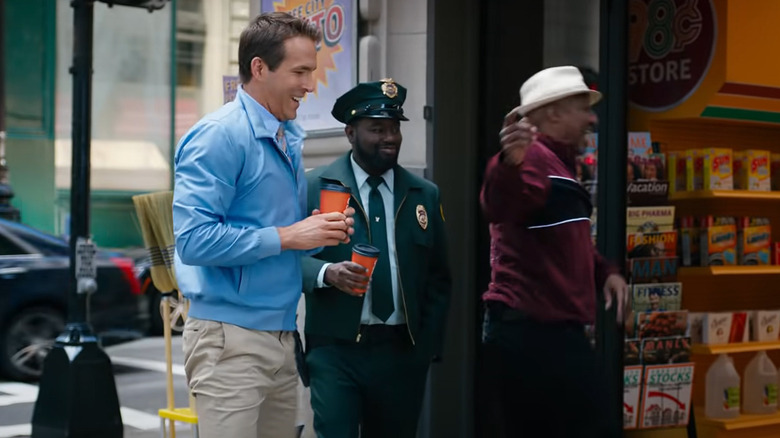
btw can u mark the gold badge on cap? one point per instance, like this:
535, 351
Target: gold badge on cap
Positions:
388, 88
422, 217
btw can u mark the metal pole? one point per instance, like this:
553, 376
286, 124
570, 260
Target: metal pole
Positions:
7, 211
77, 395
613, 152
81, 141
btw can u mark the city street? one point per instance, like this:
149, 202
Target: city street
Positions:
139, 368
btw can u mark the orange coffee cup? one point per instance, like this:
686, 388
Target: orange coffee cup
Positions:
334, 198
365, 256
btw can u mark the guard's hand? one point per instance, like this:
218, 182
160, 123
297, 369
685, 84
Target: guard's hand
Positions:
346, 276
515, 136
321, 229
616, 289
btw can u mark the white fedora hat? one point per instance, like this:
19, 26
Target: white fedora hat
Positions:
551, 84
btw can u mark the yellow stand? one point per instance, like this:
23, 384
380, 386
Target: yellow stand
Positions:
155, 216
171, 413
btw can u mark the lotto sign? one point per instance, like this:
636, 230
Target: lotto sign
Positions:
671, 45
666, 395
336, 55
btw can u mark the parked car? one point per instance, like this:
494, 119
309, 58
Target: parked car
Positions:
33, 298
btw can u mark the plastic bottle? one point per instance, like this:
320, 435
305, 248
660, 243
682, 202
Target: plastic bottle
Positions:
722, 389
760, 387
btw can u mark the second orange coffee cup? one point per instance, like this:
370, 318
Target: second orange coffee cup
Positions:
365, 256
334, 198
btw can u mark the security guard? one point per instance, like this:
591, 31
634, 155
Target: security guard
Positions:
368, 353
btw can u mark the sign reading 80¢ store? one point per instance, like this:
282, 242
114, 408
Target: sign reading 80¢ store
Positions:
671, 45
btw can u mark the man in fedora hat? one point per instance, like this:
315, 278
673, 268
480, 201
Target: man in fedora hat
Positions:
545, 270
368, 353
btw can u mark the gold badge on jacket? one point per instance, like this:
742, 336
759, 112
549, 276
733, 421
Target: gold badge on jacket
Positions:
422, 217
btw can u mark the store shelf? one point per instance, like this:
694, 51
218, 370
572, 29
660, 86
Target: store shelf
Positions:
730, 270
737, 347
744, 421
725, 194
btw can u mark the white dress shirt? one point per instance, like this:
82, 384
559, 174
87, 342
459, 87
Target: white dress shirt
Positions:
386, 189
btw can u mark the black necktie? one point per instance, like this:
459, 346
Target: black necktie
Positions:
381, 288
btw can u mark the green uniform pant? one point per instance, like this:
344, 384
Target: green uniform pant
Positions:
371, 391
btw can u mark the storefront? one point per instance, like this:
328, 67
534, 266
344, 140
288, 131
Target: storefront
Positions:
682, 75
701, 84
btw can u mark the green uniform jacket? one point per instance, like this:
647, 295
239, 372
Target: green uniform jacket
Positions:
425, 282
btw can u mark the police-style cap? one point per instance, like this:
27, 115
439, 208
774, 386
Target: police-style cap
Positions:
379, 100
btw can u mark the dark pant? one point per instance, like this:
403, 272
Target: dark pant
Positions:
544, 378
373, 389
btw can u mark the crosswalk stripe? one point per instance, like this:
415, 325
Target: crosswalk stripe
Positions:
15, 430
17, 393
139, 419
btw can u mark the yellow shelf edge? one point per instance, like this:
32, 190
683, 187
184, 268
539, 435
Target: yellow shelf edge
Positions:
744, 421
725, 194
737, 347
730, 270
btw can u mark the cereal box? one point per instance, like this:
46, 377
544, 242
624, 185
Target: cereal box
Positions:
716, 328
752, 170
632, 386
774, 171
718, 243
765, 325
676, 171
754, 241
717, 171
694, 163
666, 395
739, 327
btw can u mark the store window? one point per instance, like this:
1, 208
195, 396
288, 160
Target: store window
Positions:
207, 35
130, 98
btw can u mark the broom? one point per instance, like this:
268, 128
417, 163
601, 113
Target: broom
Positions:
155, 215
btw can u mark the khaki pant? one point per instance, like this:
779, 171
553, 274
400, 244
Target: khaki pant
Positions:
244, 381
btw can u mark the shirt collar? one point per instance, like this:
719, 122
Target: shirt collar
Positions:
567, 153
267, 120
361, 176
